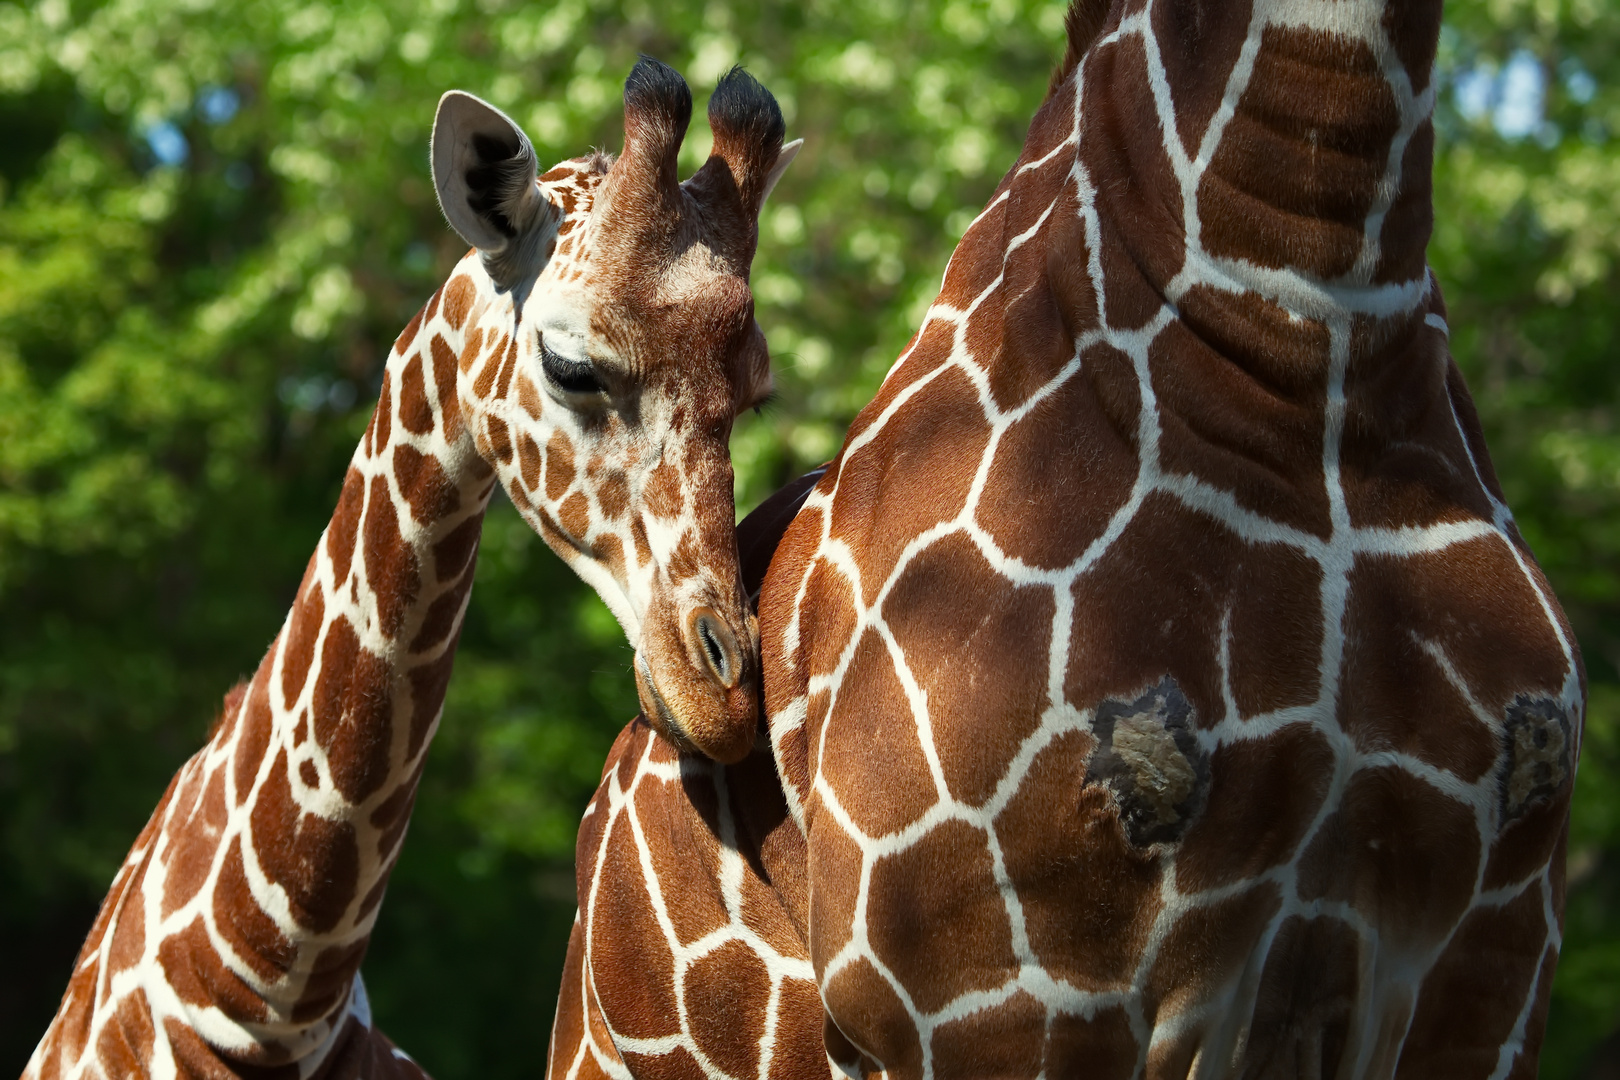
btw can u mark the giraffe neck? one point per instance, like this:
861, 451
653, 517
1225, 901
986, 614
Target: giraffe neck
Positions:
1255, 166
279, 837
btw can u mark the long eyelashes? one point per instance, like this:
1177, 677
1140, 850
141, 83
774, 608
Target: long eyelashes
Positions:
570, 376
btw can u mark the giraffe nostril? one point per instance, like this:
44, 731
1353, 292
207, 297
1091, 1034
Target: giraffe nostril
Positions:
717, 644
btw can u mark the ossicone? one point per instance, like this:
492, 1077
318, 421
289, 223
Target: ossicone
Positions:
748, 130
657, 110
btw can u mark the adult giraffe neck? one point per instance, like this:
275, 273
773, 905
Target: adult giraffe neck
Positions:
1159, 638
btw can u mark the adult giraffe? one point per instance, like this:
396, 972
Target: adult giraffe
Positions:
1156, 682
588, 356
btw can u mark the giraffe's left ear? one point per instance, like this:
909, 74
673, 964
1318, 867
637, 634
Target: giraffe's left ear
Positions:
783, 160
484, 171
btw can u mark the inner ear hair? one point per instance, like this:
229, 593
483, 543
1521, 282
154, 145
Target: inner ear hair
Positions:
500, 176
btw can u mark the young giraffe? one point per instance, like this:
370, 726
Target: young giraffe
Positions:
588, 356
1157, 681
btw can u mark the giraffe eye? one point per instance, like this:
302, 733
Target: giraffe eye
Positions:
570, 376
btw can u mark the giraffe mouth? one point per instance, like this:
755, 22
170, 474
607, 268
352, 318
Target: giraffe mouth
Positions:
663, 714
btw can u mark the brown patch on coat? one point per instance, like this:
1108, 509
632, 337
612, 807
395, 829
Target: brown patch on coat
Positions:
624, 936
402, 343
254, 728
871, 1015
529, 461
315, 861
662, 495
458, 299
835, 865
383, 418
253, 937
724, 990
485, 381
428, 683
124, 1047
1472, 603
1403, 239
352, 722
559, 465
1242, 404
197, 975
978, 650
1263, 795
471, 349
303, 630
345, 525
425, 485
1198, 47
1004, 1040
390, 562
1101, 1046
1064, 452
442, 618
1297, 170
127, 943
1205, 951
191, 854
944, 879
940, 433
1402, 458
1159, 594
1401, 853
452, 554
976, 261
415, 412
1138, 196
1306, 1005
870, 742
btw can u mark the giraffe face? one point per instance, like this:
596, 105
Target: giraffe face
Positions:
610, 343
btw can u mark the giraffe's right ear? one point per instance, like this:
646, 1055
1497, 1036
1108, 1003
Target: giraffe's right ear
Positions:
484, 171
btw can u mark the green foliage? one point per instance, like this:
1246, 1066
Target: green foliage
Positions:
214, 218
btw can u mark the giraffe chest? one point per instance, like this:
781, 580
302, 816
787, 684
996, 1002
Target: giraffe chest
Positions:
1107, 787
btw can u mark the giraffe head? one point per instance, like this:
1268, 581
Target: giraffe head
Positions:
610, 342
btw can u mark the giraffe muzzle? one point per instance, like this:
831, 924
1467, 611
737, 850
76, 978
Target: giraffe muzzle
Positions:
698, 683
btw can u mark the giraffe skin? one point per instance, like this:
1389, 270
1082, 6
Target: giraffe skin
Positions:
691, 884
1157, 679
588, 356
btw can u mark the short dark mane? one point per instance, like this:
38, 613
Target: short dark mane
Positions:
1082, 23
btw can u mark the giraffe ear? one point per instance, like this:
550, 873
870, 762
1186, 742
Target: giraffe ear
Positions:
783, 160
748, 129
484, 171
657, 110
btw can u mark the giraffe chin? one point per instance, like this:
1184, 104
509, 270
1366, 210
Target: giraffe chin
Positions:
704, 719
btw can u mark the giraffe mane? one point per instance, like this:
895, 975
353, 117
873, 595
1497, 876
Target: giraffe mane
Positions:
1081, 24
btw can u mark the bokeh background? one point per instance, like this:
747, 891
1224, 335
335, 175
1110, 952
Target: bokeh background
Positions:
215, 217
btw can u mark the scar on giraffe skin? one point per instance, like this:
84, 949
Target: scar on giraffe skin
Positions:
1149, 760
1536, 754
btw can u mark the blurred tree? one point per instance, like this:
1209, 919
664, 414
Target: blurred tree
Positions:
214, 219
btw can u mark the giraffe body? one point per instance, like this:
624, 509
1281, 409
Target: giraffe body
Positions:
587, 356
1157, 679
